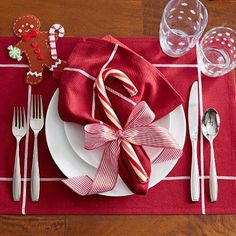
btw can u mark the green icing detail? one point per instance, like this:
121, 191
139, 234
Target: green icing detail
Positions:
14, 52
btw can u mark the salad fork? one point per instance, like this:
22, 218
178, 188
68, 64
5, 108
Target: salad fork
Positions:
36, 124
19, 131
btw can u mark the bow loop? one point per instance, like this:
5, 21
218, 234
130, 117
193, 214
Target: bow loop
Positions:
142, 115
152, 136
97, 135
139, 130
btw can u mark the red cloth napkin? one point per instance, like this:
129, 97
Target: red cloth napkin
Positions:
76, 93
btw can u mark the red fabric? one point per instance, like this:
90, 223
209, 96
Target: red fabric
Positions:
76, 94
169, 196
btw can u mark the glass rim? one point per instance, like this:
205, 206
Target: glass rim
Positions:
231, 65
219, 27
191, 35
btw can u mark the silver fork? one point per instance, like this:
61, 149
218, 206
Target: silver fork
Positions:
19, 131
36, 124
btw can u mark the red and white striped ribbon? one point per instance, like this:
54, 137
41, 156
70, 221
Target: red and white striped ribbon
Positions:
52, 38
107, 106
138, 130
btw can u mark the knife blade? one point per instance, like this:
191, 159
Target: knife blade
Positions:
193, 122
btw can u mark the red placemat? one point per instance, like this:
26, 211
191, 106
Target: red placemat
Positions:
171, 196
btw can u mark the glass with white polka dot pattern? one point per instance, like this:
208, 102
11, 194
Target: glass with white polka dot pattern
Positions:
182, 24
217, 51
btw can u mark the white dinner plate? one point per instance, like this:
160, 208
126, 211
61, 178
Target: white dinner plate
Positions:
75, 136
72, 165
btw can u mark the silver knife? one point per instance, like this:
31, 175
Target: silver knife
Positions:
193, 132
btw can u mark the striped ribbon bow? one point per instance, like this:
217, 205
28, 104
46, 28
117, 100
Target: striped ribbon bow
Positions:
139, 130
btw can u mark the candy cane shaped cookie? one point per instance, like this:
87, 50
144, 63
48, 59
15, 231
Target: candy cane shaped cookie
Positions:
52, 38
102, 95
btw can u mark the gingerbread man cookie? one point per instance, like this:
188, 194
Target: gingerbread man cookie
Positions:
39, 47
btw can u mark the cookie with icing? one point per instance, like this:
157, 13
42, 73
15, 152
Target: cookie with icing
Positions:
39, 47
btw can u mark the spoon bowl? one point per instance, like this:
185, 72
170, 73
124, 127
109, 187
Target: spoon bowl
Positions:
210, 124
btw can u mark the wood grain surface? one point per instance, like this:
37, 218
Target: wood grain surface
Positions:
119, 18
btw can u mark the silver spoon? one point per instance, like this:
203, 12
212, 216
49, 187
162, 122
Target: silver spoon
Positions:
210, 129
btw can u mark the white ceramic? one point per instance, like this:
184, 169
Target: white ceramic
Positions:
72, 165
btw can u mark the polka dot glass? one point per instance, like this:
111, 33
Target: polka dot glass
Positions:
217, 51
182, 24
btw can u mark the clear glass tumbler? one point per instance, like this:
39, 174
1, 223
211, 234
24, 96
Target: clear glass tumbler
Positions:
217, 52
182, 24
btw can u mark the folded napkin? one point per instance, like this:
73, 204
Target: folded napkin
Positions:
78, 101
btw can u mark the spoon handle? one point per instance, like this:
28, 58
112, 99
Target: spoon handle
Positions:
213, 176
195, 188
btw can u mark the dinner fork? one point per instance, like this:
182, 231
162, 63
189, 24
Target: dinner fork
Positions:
36, 124
19, 131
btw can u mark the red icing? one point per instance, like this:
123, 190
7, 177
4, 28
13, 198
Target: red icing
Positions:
31, 34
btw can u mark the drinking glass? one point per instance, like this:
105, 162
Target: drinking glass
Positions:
182, 24
217, 51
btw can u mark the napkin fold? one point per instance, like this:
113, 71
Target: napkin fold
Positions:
78, 101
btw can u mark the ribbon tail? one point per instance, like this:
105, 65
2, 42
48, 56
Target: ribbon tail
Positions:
81, 184
168, 154
105, 178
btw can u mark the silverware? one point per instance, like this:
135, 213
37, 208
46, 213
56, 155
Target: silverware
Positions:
193, 132
36, 124
210, 129
19, 131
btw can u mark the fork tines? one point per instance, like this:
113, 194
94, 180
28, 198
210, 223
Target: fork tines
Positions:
36, 107
19, 119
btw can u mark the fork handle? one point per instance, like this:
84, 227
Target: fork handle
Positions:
35, 178
16, 184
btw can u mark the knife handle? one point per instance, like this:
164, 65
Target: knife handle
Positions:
194, 181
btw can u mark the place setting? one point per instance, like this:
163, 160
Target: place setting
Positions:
105, 125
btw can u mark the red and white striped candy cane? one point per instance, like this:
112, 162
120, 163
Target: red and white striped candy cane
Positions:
52, 38
102, 95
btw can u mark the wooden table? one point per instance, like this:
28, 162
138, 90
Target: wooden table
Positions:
120, 18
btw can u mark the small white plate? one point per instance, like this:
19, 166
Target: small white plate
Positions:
72, 165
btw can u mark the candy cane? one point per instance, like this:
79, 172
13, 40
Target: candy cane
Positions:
52, 38
102, 95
